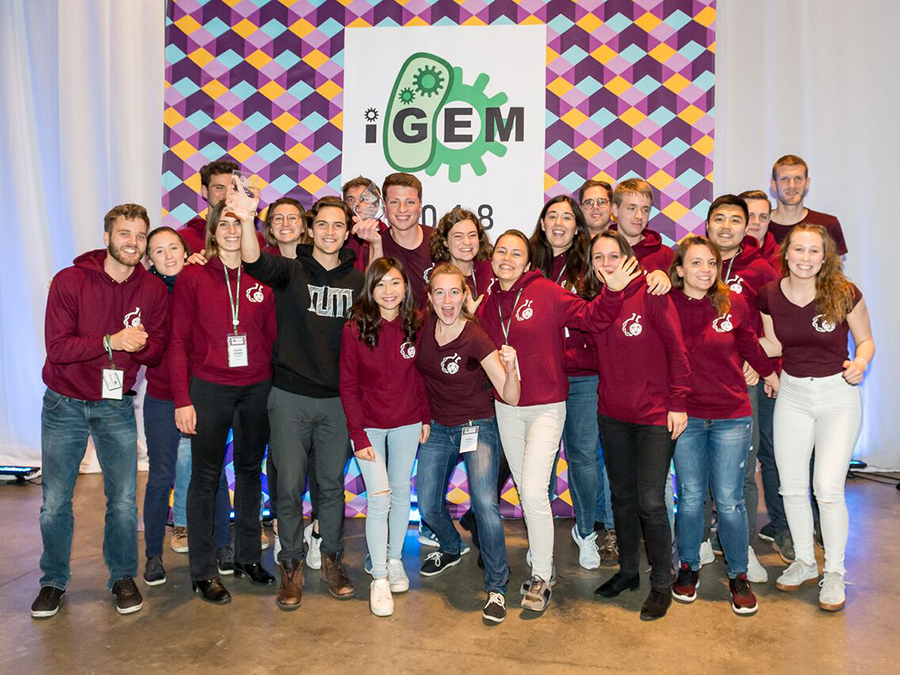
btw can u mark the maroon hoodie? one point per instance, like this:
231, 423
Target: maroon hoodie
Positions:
84, 304
537, 312
650, 251
770, 250
578, 359
717, 347
746, 273
194, 235
201, 324
644, 371
380, 388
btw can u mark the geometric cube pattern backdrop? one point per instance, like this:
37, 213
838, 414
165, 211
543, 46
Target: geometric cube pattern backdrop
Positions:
630, 92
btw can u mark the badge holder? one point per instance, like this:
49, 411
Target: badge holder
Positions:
468, 442
113, 385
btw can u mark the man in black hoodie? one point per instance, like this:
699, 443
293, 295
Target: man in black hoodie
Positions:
313, 294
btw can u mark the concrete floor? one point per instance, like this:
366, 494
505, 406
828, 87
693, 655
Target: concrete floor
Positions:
437, 625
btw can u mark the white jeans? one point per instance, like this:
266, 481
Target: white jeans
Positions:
824, 413
530, 437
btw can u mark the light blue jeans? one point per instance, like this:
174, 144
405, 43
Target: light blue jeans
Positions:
182, 480
713, 453
387, 492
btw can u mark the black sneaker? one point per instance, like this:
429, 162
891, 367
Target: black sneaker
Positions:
128, 597
154, 572
225, 560
784, 546
686, 585
495, 607
46, 604
657, 604
437, 562
767, 533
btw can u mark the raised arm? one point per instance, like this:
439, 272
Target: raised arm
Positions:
502, 370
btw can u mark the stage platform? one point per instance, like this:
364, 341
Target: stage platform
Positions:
437, 626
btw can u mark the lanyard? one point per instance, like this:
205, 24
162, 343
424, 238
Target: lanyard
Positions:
560, 275
475, 281
730, 263
235, 306
506, 328
108, 346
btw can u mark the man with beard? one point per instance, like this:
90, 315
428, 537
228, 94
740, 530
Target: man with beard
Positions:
106, 317
790, 181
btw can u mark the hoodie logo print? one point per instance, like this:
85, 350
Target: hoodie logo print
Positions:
524, 312
723, 324
328, 301
450, 364
133, 318
426, 275
736, 285
632, 327
255, 293
822, 325
408, 350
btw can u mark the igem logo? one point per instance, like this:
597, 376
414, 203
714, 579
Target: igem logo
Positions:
435, 119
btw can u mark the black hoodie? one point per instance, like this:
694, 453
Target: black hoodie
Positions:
311, 307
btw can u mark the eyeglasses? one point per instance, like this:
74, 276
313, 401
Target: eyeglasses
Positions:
278, 220
589, 203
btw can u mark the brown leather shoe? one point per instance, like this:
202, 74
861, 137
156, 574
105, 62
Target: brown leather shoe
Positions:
335, 575
290, 593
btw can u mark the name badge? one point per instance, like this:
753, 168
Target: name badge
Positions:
468, 442
113, 383
237, 351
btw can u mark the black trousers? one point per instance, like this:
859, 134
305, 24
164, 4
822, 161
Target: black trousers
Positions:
219, 408
637, 460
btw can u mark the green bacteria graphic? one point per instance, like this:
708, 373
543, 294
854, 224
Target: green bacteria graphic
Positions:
410, 122
474, 95
428, 81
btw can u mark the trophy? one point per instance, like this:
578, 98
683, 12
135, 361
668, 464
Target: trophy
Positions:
368, 204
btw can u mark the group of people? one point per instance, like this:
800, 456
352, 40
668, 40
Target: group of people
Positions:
334, 333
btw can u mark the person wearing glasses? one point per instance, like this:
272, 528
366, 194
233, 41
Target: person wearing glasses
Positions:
595, 197
285, 227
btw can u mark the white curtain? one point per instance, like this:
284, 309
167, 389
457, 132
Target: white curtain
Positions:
81, 85
82, 103
818, 78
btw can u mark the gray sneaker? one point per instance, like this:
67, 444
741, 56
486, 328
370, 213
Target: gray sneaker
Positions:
537, 599
832, 597
796, 575
784, 546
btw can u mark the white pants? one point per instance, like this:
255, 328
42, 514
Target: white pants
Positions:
824, 413
530, 436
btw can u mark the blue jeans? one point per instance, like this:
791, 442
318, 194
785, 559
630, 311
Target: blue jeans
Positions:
581, 435
222, 531
765, 411
713, 453
603, 512
387, 492
66, 424
437, 459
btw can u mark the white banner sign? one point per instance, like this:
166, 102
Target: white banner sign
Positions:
462, 108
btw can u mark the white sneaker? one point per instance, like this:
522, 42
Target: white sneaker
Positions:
380, 600
797, 573
588, 553
313, 548
832, 596
397, 576
706, 553
756, 573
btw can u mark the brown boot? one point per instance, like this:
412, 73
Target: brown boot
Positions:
290, 594
335, 575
